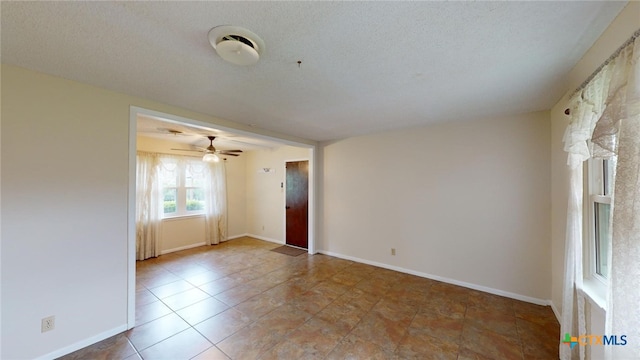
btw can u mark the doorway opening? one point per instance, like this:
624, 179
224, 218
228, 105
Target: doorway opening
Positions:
137, 113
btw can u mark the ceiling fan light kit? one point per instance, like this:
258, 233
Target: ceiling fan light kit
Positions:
211, 153
236, 45
209, 157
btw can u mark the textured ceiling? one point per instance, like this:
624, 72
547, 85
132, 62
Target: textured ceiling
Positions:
366, 66
192, 135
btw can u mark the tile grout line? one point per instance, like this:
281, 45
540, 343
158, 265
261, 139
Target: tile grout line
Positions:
310, 318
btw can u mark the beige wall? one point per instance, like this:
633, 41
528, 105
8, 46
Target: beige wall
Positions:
465, 202
64, 207
236, 195
617, 33
559, 200
265, 196
65, 180
181, 233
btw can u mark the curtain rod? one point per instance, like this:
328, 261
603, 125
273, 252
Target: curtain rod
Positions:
606, 62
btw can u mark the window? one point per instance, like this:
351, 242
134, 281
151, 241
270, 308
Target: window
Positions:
600, 187
182, 183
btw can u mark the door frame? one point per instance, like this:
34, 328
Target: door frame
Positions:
309, 203
134, 111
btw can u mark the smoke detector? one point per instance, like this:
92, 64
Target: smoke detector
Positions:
236, 45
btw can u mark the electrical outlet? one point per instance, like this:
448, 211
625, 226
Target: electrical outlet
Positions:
48, 323
393, 251
262, 227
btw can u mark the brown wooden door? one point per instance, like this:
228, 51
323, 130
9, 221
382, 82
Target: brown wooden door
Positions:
297, 204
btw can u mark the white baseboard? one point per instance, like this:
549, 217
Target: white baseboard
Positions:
555, 310
443, 279
190, 246
83, 343
281, 242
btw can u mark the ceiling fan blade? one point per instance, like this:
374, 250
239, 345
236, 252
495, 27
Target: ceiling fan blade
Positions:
188, 150
230, 154
238, 151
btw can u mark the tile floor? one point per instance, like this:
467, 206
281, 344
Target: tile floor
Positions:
238, 300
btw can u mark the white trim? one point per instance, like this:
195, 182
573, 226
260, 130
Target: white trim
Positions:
83, 343
595, 291
131, 222
182, 217
191, 246
207, 125
602, 199
555, 310
281, 242
235, 237
442, 279
313, 167
593, 186
227, 239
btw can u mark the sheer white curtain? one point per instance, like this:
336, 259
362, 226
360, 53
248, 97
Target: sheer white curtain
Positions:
586, 108
216, 203
622, 117
148, 205
606, 122
575, 143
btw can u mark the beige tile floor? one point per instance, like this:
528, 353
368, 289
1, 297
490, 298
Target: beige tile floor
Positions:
239, 300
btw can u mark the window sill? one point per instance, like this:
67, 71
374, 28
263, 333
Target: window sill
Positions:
596, 292
182, 217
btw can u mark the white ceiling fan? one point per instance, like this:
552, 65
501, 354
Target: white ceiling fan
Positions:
211, 153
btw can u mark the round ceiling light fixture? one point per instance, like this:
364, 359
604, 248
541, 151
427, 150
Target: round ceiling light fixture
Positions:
236, 45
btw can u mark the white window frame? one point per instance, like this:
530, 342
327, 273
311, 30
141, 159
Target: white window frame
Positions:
181, 192
594, 283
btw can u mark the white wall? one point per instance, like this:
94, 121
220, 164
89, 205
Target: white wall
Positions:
464, 201
265, 196
182, 233
64, 204
617, 33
